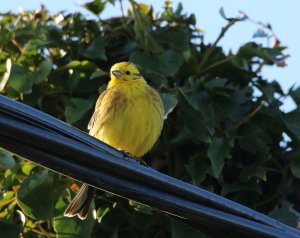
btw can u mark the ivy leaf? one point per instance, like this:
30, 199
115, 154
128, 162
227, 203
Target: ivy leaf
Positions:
66, 227
144, 60
99, 74
95, 6
218, 150
170, 101
169, 62
80, 65
141, 207
76, 108
6, 160
285, 214
43, 71
32, 194
176, 39
96, 49
20, 79
269, 55
180, 230
292, 121
101, 212
112, 2
197, 168
295, 94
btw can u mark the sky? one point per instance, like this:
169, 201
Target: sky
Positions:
283, 17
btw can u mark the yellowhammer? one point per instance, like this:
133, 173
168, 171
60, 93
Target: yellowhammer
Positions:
128, 116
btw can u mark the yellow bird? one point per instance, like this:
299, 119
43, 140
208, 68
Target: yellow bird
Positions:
128, 116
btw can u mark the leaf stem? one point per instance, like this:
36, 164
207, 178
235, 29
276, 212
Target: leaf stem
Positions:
37, 231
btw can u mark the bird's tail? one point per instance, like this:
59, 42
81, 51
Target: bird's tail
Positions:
81, 203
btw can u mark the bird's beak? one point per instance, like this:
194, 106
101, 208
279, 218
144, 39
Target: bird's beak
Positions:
116, 73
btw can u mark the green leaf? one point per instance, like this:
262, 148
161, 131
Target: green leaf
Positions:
73, 81
6, 198
251, 143
98, 74
144, 60
9, 230
20, 79
191, 100
76, 108
285, 214
180, 230
250, 50
169, 62
95, 6
80, 65
214, 108
295, 167
177, 39
194, 123
295, 94
268, 91
6, 160
96, 49
141, 207
170, 101
10, 176
111, 2
197, 168
218, 150
43, 71
27, 167
292, 121
36, 196
66, 227
101, 212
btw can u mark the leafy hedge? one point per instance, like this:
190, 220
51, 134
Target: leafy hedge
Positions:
225, 131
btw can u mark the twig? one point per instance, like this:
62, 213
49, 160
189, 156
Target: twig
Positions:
122, 9
261, 65
216, 64
211, 49
247, 118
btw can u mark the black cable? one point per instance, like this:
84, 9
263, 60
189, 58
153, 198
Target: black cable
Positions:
36, 130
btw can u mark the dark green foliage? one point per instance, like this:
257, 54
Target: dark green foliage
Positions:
219, 134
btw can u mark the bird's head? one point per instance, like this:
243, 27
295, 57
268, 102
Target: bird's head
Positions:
124, 72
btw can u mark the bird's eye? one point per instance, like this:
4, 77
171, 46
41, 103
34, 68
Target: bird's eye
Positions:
127, 72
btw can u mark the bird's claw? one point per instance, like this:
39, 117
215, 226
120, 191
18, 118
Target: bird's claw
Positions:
142, 162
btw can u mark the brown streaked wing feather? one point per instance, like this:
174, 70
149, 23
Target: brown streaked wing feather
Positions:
157, 102
95, 114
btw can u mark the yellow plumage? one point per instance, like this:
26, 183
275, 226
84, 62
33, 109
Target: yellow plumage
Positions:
128, 116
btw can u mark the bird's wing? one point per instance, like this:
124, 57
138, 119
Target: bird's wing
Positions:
157, 102
96, 112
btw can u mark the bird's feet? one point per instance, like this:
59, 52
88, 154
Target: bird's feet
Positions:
142, 162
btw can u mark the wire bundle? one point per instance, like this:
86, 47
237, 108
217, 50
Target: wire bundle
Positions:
60, 147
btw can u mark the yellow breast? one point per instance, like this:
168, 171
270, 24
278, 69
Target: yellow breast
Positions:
129, 118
